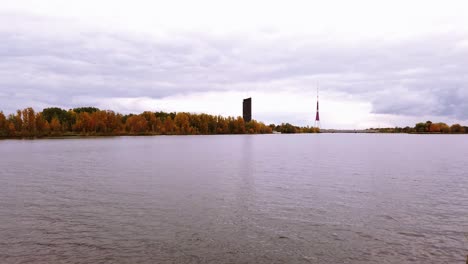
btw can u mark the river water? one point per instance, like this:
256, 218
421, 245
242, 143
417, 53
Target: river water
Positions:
317, 198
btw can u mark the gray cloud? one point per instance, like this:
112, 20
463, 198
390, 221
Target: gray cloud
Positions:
420, 76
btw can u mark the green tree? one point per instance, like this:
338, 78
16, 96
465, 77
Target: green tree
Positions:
88, 109
60, 114
421, 127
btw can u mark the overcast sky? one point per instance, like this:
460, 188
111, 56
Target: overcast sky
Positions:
377, 64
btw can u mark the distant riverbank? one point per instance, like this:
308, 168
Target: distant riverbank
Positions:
427, 127
420, 128
90, 121
93, 122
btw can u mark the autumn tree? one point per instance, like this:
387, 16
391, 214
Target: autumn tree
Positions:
168, 127
204, 125
182, 124
82, 122
55, 126
114, 122
11, 130
444, 128
457, 128
212, 123
222, 126
18, 121
29, 122
42, 126
99, 119
136, 124
434, 128
240, 125
438, 128
428, 126
195, 123
158, 125
152, 121
3, 125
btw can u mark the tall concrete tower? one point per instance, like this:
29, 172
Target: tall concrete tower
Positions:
247, 109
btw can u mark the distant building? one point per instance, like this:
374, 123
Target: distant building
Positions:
247, 109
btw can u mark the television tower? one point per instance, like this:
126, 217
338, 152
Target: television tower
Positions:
317, 116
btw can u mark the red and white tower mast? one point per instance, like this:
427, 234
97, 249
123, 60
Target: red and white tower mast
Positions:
317, 116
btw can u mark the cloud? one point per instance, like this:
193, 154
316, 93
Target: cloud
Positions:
45, 62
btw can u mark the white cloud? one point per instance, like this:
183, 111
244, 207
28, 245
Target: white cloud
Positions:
340, 18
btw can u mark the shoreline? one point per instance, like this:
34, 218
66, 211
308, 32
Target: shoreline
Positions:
80, 136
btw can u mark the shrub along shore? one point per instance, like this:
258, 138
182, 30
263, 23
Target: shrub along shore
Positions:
91, 121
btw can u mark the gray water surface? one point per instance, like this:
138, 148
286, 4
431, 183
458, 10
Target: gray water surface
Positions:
323, 198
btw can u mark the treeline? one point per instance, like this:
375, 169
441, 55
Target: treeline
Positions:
427, 127
93, 121
287, 128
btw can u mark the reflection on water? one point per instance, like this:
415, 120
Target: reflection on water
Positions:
322, 198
